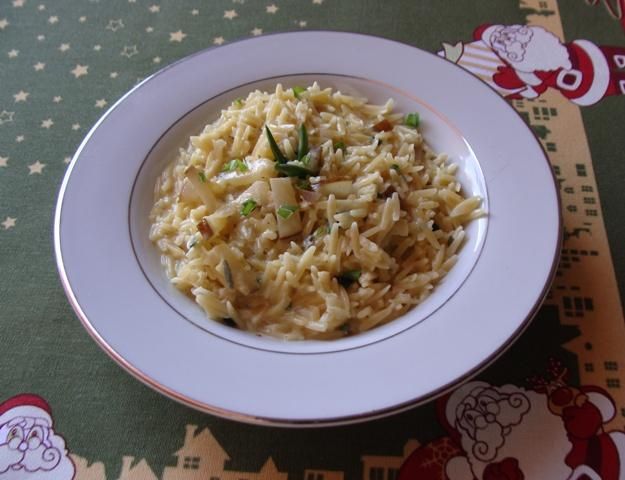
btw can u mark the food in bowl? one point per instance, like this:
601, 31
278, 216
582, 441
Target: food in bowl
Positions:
309, 214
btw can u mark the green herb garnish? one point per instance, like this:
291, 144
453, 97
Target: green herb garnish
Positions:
236, 164
297, 91
277, 154
293, 170
238, 102
285, 211
302, 148
345, 328
339, 146
202, 177
395, 167
248, 207
348, 278
412, 120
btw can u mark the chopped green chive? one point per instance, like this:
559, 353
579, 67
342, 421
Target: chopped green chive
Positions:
236, 164
202, 177
285, 211
348, 278
302, 148
412, 120
293, 170
238, 102
339, 146
297, 91
248, 207
395, 167
277, 154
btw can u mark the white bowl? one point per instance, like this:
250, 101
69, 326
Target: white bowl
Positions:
114, 280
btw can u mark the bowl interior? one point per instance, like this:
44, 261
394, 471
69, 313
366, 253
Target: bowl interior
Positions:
439, 133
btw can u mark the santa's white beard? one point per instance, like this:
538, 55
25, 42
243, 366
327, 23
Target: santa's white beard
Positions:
543, 52
8, 458
40, 463
539, 443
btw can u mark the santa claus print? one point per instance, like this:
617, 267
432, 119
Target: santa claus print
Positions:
523, 61
30, 449
553, 431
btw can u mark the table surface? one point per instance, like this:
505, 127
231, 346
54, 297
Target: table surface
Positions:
62, 64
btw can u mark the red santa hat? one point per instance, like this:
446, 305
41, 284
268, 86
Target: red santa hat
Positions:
602, 400
484, 32
25, 405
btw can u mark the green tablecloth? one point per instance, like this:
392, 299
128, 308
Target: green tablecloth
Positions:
63, 63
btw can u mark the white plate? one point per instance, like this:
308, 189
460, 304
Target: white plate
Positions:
113, 279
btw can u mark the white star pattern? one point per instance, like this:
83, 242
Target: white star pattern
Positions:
47, 123
9, 222
4, 23
302, 23
53, 19
80, 70
6, 117
57, 99
41, 7
39, 66
18, 3
129, 51
100, 103
82, 19
13, 53
230, 14
195, 11
154, 9
257, 31
97, 48
76, 126
149, 29
317, 2
21, 96
271, 8
113, 74
115, 25
218, 40
67, 160
156, 60
36, 167
41, 38
20, 138
177, 36
64, 47
4, 161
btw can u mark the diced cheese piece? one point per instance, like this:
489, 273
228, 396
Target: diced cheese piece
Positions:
284, 195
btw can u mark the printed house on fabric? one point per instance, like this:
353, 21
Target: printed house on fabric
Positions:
201, 457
